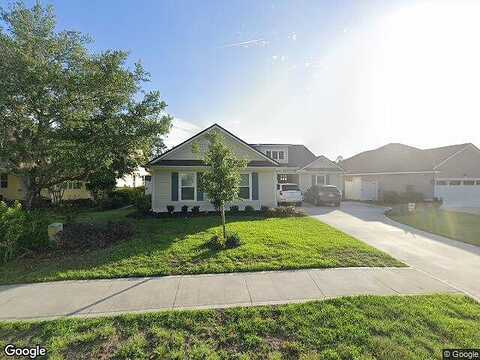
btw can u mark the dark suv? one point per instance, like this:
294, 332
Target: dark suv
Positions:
327, 194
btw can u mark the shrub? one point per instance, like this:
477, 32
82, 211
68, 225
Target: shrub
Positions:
184, 209
391, 197
170, 209
35, 235
285, 211
233, 241
234, 209
21, 231
83, 236
196, 210
12, 226
249, 209
144, 204
264, 209
216, 242
78, 203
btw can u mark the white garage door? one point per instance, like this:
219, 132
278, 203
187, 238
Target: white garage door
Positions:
360, 189
458, 192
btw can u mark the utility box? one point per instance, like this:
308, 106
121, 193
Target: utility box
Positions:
53, 230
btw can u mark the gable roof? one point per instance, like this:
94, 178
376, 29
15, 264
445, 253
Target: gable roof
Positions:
397, 157
156, 160
298, 155
327, 160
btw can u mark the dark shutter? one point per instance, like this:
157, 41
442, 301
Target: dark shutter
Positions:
174, 186
199, 191
327, 179
254, 186
313, 180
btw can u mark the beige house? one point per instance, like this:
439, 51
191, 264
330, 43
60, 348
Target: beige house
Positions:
12, 188
450, 173
175, 173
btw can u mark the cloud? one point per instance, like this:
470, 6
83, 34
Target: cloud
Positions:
181, 131
247, 44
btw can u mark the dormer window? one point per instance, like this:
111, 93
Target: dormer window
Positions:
275, 155
269, 154
281, 155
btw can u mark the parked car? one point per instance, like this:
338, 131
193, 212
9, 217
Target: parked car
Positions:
324, 195
289, 194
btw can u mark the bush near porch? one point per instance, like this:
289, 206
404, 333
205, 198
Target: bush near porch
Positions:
179, 246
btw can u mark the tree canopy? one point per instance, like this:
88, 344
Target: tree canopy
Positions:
65, 111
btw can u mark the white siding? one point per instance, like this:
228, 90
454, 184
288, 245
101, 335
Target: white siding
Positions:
185, 152
161, 179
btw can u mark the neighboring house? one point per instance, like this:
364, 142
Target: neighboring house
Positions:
174, 173
11, 188
450, 173
140, 177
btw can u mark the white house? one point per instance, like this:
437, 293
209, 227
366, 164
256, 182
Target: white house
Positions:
175, 172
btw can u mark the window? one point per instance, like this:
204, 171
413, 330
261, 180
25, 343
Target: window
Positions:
477, 182
3, 181
281, 155
148, 178
292, 187
283, 178
456, 182
187, 186
244, 192
274, 155
320, 180
468, 182
441, 182
269, 153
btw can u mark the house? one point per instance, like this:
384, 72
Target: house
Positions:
12, 188
175, 172
137, 178
450, 173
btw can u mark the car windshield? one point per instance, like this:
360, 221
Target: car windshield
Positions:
330, 189
290, 187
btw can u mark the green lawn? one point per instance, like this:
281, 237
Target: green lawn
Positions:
178, 246
366, 327
454, 225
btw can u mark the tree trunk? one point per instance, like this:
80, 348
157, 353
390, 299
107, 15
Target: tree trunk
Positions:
30, 192
222, 212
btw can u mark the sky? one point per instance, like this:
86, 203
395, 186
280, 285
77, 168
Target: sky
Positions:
340, 77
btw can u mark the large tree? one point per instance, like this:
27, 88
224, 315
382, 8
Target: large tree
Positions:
66, 112
221, 179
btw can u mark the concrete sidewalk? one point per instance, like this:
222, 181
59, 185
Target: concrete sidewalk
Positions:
106, 297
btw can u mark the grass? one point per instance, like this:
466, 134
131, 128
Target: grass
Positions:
178, 246
454, 225
365, 327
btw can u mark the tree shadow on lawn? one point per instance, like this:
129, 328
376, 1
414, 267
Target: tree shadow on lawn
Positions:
152, 238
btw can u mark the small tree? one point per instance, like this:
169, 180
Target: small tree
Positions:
101, 183
221, 180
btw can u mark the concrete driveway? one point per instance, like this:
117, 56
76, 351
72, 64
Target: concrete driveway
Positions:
454, 262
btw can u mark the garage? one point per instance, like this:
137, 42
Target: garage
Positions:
357, 188
458, 192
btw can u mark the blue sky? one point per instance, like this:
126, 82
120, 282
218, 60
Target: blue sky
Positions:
322, 73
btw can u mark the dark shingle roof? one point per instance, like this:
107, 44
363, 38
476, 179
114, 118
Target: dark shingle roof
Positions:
298, 155
253, 163
399, 158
